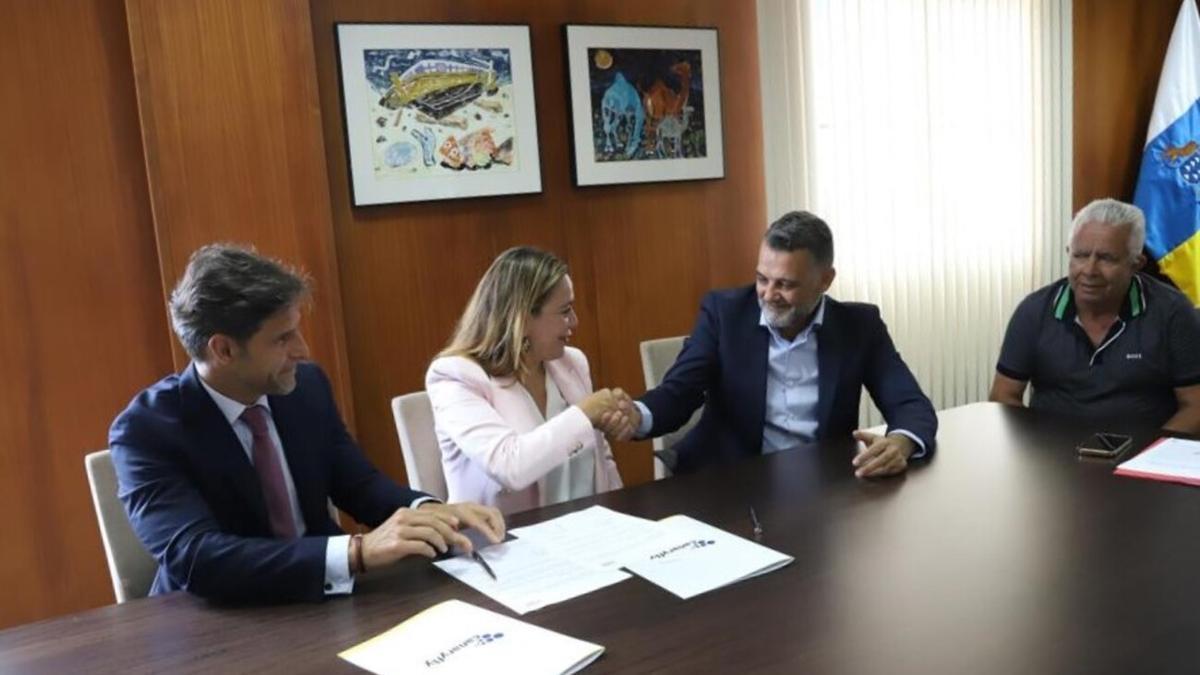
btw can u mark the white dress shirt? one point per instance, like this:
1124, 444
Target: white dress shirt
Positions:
575, 477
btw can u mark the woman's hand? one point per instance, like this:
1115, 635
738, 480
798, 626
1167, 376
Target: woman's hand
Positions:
597, 403
612, 412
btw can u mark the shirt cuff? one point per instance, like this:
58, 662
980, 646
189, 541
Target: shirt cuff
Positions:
920, 451
647, 422
338, 580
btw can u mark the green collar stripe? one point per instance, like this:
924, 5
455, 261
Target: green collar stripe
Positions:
1137, 299
1064, 298
1137, 303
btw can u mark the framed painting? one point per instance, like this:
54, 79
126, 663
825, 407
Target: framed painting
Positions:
437, 111
645, 104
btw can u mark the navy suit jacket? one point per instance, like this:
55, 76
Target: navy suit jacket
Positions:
723, 365
194, 500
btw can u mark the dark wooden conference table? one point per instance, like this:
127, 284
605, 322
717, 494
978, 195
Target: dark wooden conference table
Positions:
1004, 554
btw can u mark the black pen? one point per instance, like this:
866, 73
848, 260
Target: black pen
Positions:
486, 567
754, 521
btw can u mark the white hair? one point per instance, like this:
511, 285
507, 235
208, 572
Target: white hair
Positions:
1114, 213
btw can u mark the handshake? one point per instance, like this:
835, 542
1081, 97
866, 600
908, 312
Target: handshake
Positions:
613, 413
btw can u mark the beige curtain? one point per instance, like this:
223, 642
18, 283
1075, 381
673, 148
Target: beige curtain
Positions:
934, 137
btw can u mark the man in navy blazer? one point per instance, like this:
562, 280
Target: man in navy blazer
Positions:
227, 469
779, 364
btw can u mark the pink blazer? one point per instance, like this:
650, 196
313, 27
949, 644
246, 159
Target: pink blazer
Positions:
494, 445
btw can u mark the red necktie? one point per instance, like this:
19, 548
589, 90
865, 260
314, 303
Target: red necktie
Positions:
270, 473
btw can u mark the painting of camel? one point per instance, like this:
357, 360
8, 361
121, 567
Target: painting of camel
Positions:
645, 104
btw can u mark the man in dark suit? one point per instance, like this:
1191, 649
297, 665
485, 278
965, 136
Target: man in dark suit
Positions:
227, 469
778, 364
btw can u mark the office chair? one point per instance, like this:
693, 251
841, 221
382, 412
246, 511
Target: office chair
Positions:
657, 358
130, 566
418, 443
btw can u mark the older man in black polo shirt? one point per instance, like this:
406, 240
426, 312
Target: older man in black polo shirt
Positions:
1105, 342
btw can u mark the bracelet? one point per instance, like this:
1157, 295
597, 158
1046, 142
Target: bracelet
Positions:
357, 566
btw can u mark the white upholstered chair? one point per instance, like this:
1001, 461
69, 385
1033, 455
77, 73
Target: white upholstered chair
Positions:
657, 358
418, 443
130, 566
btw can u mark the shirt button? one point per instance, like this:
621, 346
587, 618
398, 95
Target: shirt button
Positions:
328, 587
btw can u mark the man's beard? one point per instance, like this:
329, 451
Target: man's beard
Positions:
788, 318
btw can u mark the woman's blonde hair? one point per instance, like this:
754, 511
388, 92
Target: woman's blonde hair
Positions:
491, 330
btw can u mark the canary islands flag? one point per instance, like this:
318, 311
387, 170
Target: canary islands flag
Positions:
1168, 187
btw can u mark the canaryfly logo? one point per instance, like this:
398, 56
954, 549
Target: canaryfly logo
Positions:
474, 641
693, 544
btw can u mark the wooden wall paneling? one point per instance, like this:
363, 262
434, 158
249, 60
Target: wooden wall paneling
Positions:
408, 268
83, 324
641, 255
651, 270
231, 124
737, 217
1118, 50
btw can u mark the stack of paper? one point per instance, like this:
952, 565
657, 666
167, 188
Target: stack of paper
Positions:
695, 558
528, 577
594, 537
1170, 459
583, 551
457, 637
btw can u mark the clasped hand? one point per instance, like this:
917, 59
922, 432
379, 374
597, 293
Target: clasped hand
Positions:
612, 412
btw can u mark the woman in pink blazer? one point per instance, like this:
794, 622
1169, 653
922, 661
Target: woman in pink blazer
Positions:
516, 418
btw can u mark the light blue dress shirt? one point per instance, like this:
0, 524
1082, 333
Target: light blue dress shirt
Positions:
792, 385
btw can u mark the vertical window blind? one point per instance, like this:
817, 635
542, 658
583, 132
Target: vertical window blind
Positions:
934, 137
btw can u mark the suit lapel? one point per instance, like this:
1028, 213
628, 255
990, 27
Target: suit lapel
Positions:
829, 361
218, 446
756, 379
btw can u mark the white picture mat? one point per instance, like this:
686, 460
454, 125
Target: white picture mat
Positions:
357, 97
590, 172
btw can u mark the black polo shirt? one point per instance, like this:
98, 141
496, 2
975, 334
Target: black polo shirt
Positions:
1152, 348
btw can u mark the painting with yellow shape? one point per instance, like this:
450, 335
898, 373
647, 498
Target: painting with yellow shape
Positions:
440, 112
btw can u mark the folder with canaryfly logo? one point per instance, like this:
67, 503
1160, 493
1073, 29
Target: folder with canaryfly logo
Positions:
458, 637
693, 558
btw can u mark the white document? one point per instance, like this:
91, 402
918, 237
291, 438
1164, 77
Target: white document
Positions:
457, 637
595, 537
697, 558
528, 577
1169, 459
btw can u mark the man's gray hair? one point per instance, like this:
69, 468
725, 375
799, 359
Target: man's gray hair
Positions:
231, 290
801, 230
1114, 213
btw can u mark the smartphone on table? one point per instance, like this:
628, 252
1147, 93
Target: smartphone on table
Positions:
1105, 445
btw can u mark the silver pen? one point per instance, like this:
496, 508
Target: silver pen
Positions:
754, 521
486, 567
